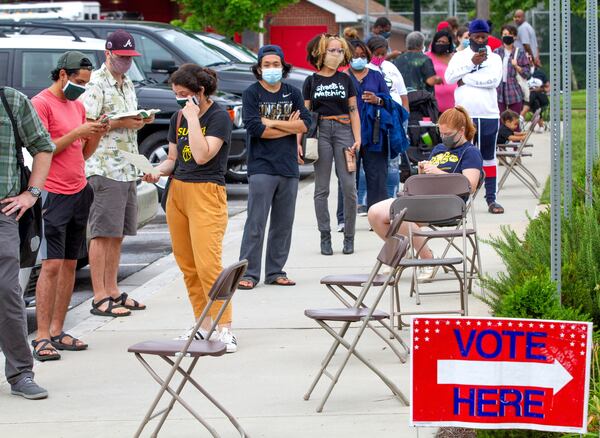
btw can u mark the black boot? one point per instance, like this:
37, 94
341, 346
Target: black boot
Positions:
348, 245
326, 243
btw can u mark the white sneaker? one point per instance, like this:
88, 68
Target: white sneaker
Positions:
199, 336
425, 273
340, 228
538, 129
229, 339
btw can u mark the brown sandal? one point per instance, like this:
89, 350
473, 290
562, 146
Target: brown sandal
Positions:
282, 281
246, 284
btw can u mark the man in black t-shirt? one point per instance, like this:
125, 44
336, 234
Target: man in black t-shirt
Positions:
417, 68
273, 114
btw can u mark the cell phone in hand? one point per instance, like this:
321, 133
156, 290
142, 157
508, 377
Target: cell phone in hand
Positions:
195, 100
104, 119
482, 50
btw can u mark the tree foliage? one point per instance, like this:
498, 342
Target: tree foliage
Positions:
502, 10
228, 16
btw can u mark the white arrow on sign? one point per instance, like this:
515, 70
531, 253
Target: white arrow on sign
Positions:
492, 373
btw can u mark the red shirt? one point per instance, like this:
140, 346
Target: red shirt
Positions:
494, 42
61, 116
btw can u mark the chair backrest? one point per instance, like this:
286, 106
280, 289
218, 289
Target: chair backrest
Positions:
393, 250
447, 184
431, 209
227, 281
395, 224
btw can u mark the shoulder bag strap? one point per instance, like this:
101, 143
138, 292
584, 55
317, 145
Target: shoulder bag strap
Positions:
312, 90
18, 140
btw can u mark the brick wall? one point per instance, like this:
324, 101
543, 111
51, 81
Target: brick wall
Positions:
303, 13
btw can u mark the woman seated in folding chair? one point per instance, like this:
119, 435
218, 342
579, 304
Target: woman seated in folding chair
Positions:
456, 154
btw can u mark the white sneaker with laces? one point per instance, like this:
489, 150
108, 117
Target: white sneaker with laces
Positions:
199, 336
229, 339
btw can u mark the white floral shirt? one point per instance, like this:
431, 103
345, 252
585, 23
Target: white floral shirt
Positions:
105, 96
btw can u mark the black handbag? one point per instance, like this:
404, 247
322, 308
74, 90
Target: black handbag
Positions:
30, 224
165, 195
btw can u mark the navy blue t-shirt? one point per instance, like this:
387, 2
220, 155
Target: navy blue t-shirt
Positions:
456, 160
278, 156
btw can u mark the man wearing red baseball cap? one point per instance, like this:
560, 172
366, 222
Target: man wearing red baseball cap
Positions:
113, 214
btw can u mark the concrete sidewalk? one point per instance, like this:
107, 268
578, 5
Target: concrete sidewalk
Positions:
104, 392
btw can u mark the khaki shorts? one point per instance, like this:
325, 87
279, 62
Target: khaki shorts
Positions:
114, 210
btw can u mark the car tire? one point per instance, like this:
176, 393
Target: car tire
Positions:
237, 174
156, 148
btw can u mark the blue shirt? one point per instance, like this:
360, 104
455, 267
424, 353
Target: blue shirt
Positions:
457, 159
373, 82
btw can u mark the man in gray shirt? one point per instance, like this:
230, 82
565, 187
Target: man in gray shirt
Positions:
526, 38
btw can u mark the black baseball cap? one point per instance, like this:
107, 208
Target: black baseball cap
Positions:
73, 60
270, 49
121, 43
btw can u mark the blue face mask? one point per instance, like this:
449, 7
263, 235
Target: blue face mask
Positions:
272, 75
465, 43
358, 63
385, 35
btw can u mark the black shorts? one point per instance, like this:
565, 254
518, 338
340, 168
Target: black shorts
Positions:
65, 224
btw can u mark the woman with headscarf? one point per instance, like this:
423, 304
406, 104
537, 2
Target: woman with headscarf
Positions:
441, 52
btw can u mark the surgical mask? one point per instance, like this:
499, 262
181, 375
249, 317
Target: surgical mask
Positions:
358, 63
377, 60
73, 91
182, 101
272, 75
449, 141
120, 65
440, 49
465, 43
385, 35
332, 61
508, 39
476, 46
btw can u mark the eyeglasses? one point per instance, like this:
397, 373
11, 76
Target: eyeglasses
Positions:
339, 51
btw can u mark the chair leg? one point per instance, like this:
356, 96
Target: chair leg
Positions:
463, 295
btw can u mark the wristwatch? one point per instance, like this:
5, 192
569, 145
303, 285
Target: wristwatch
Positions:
35, 192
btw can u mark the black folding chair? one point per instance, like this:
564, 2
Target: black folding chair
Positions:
391, 254
222, 292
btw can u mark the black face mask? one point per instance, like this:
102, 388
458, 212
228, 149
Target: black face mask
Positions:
440, 49
476, 46
508, 39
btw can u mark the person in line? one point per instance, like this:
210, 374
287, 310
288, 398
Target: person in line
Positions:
462, 37
14, 202
273, 114
478, 71
382, 28
514, 64
332, 95
416, 68
493, 42
509, 123
350, 33
440, 54
539, 88
66, 198
113, 214
456, 154
526, 38
199, 140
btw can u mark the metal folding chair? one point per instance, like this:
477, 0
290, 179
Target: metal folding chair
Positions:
433, 209
222, 292
390, 255
340, 286
450, 184
511, 157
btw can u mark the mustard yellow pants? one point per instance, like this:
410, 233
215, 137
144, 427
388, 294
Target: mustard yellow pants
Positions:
197, 219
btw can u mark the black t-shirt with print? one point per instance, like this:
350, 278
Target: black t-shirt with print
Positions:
215, 122
329, 94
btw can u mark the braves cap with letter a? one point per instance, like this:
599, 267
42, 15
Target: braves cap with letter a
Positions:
121, 43
270, 49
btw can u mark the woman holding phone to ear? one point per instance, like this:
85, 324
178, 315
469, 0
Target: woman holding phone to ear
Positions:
199, 140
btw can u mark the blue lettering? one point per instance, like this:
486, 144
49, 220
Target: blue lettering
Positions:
529, 402
470, 401
515, 403
513, 341
481, 402
464, 352
479, 345
530, 345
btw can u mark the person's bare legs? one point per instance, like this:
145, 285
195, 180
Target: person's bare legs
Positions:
62, 298
379, 219
98, 254
45, 297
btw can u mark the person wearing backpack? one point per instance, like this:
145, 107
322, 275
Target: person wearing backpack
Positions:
24, 128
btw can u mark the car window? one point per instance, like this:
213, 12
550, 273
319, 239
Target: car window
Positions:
3, 68
150, 50
199, 52
38, 64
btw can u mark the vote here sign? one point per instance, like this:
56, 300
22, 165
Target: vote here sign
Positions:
500, 373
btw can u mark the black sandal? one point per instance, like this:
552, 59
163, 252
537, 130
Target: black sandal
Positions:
57, 342
43, 344
108, 312
121, 300
495, 208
